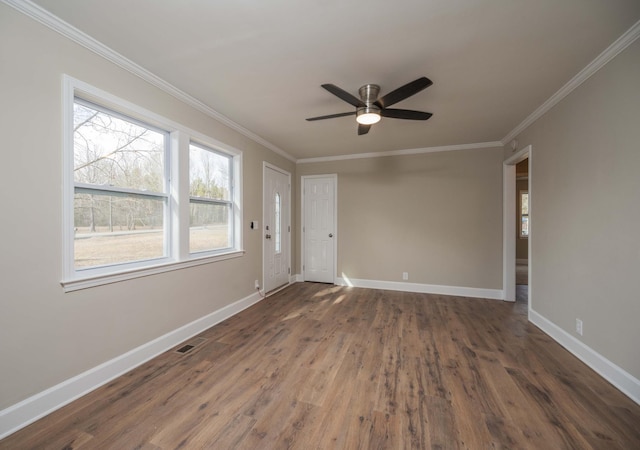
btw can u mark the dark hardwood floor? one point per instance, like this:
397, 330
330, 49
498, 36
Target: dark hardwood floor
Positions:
319, 366
522, 293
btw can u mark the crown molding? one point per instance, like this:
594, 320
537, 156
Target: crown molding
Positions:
411, 151
600, 61
44, 17
53, 22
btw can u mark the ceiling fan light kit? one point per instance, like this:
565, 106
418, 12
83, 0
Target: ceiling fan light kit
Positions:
368, 115
370, 109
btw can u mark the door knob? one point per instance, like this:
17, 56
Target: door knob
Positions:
330, 234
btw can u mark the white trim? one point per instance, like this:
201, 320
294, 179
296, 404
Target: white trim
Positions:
617, 376
179, 201
99, 280
494, 294
509, 223
333, 176
297, 278
600, 61
410, 151
69, 86
33, 408
278, 289
44, 17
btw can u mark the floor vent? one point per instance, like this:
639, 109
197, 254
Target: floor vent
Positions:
184, 349
191, 345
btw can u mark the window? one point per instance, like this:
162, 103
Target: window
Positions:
140, 195
211, 209
524, 214
120, 188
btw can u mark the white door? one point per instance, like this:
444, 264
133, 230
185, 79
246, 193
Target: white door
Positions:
319, 229
276, 228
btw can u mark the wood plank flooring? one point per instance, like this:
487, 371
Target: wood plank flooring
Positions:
323, 367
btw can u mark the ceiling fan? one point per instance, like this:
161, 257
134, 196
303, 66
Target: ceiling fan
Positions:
370, 108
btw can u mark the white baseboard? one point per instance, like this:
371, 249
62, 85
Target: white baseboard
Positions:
495, 294
33, 408
614, 374
297, 278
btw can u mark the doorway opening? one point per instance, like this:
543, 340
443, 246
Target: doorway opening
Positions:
513, 223
522, 231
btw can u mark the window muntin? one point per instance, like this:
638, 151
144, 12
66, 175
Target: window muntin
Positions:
524, 214
211, 212
120, 188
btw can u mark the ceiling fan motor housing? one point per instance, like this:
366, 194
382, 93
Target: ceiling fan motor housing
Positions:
369, 93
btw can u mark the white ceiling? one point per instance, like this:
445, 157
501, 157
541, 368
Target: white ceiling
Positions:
261, 63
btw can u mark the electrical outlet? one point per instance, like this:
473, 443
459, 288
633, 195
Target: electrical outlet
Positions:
257, 284
579, 326
405, 275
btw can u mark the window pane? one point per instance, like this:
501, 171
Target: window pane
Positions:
109, 150
209, 227
276, 219
524, 203
112, 229
209, 174
524, 230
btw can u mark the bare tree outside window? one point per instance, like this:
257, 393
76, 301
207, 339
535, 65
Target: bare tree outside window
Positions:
210, 218
120, 188
128, 208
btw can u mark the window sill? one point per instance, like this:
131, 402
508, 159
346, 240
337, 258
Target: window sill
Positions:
77, 284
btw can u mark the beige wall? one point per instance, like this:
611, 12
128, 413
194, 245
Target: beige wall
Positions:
585, 211
47, 336
437, 216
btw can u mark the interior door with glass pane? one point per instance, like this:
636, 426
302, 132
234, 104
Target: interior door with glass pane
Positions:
276, 228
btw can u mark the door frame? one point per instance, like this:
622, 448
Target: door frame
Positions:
265, 166
509, 224
303, 178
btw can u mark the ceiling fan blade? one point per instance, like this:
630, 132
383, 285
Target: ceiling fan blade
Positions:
332, 116
405, 91
363, 129
405, 114
344, 95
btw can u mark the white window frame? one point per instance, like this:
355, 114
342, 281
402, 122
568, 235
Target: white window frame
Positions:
177, 209
115, 190
215, 201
